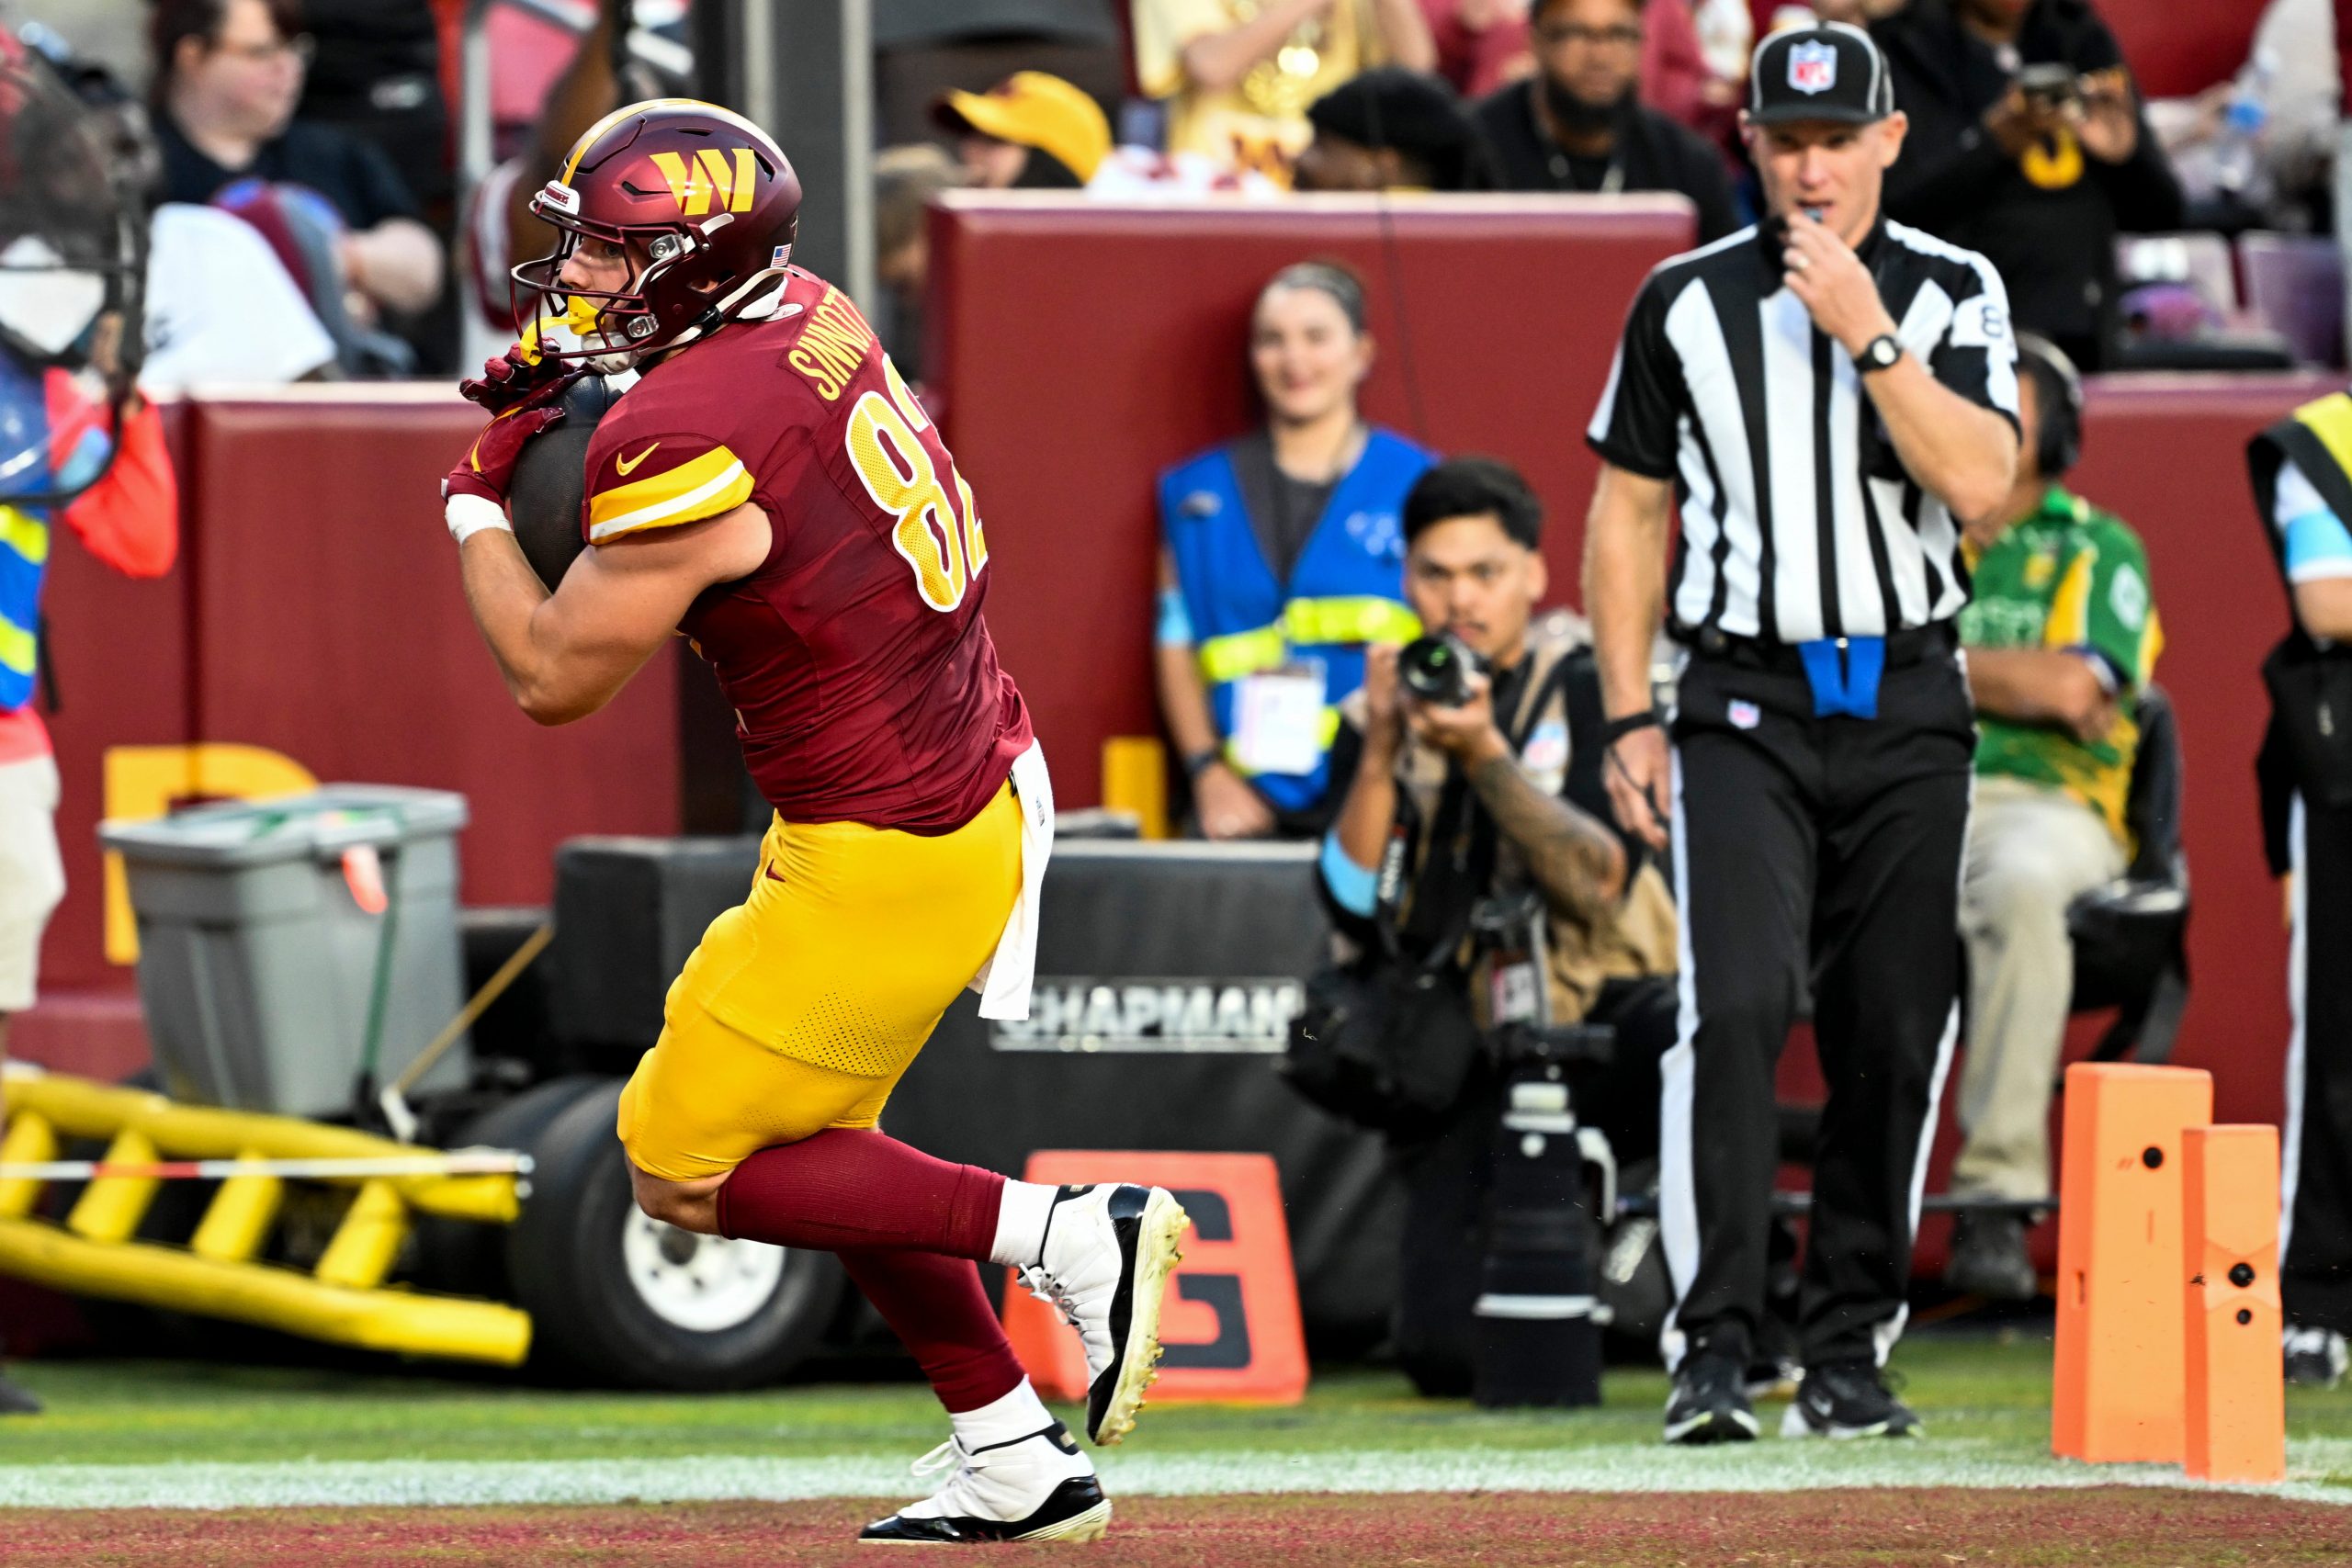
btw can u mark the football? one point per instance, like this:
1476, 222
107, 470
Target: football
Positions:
550, 480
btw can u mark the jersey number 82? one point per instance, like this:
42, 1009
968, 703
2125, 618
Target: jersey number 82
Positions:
941, 539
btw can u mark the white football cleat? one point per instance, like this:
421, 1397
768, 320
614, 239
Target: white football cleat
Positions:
1104, 1266
1040, 1487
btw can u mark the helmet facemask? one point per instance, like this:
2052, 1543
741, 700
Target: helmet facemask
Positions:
615, 328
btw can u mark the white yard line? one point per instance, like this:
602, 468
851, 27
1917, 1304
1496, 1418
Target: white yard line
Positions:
1765, 1467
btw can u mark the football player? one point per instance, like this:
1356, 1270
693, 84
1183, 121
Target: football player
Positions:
770, 488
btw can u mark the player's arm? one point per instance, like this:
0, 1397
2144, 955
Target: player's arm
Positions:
565, 654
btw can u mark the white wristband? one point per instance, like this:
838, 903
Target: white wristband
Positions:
468, 514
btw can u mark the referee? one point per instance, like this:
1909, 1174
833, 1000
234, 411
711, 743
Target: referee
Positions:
1822, 400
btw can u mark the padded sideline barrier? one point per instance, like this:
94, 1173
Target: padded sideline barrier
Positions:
1166, 978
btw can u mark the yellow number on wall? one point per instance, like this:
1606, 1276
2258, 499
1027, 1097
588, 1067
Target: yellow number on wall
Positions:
940, 540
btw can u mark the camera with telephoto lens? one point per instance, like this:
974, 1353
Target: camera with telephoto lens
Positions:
1437, 669
2052, 84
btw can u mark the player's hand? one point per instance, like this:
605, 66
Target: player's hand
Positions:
510, 377
1837, 290
1383, 713
2109, 121
488, 467
1228, 807
1636, 770
1465, 732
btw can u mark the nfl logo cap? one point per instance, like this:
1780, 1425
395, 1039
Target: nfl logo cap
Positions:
1829, 72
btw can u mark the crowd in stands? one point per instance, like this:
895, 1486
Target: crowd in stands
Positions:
325, 127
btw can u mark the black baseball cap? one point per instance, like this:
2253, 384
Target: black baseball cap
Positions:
1831, 71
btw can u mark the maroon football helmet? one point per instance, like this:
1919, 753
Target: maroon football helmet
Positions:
706, 205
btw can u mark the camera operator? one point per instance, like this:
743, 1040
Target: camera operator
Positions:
1476, 759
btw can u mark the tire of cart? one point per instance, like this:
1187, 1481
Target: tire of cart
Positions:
616, 1296
467, 1259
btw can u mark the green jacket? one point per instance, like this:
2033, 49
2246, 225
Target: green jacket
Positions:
2068, 576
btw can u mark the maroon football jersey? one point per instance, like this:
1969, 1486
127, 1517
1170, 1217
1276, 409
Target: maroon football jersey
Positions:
864, 686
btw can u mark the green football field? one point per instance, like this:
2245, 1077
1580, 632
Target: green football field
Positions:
182, 1461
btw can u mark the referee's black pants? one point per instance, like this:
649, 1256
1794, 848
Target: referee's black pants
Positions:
1828, 847
2316, 1146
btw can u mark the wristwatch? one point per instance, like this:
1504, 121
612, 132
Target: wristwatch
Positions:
1200, 762
1879, 353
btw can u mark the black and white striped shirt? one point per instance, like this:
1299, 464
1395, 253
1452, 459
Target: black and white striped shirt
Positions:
1798, 519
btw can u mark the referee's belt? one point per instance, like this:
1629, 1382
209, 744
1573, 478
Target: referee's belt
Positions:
1843, 671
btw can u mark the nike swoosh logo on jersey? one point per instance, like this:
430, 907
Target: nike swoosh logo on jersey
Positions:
628, 465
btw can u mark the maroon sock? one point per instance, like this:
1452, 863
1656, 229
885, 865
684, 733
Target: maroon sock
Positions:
851, 1188
941, 1314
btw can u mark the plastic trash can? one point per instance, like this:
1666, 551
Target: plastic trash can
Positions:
263, 927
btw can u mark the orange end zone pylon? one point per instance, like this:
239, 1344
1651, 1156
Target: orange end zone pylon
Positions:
2235, 1418
2120, 1366
1230, 1324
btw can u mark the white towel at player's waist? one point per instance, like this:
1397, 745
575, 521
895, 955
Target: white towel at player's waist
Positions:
1004, 980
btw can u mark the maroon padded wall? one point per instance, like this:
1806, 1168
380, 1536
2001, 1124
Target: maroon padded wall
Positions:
316, 611
2181, 46
1078, 348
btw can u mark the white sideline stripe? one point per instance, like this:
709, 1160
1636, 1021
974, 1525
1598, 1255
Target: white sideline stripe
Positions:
1763, 1467
1492, 1305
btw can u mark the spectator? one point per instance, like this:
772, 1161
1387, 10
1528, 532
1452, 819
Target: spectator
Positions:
1238, 87
76, 443
220, 307
227, 73
1526, 750
1580, 126
924, 48
2291, 84
2038, 169
1483, 46
1284, 557
2061, 636
1030, 131
1392, 129
905, 181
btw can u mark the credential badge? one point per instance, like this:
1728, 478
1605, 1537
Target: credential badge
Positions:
1812, 67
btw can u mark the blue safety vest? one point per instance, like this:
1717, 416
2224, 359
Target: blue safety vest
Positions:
1346, 589
26, 469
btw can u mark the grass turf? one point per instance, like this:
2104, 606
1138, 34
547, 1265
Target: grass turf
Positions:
1987, 1399
1985, 1396
2114, 1528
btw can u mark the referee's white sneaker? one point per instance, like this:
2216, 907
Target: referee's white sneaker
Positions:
1039, 1487
1105, 1264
